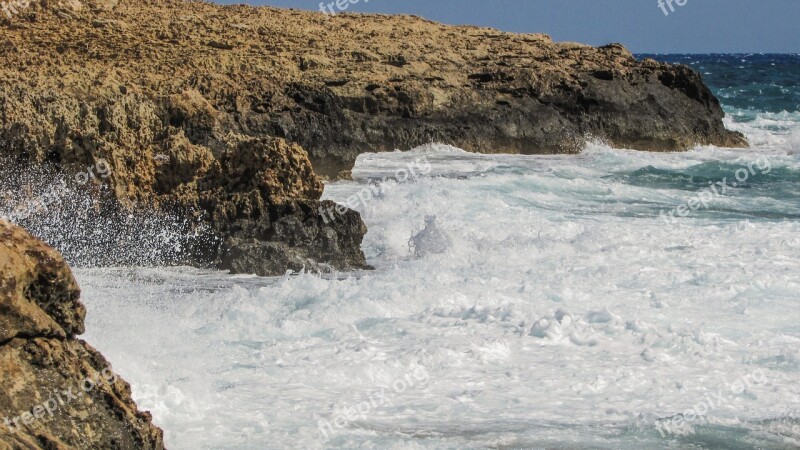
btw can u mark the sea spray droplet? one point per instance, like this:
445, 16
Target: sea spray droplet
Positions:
86, 225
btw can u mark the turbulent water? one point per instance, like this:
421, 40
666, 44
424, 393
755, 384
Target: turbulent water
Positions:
616, 299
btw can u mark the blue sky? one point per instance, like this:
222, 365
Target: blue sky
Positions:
700, 26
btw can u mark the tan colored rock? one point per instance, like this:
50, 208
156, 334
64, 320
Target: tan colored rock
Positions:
167, 91
57, 391
341, 85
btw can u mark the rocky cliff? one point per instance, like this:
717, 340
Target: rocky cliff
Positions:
182, 98
57, 391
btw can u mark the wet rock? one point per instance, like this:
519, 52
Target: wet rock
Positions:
57, 391
430, 240
194, 81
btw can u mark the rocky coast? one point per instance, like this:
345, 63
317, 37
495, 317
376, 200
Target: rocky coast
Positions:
230, 118
233, 115
57, 391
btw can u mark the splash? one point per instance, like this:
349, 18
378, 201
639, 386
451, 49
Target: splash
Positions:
78, 216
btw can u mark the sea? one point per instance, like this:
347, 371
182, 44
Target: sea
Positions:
615, 299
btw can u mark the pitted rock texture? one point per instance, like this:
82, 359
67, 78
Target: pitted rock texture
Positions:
168, 90
345, 84
40, 314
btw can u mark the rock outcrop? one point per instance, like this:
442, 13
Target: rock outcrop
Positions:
177, 95
57, 391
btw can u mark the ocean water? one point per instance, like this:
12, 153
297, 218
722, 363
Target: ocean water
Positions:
615, 299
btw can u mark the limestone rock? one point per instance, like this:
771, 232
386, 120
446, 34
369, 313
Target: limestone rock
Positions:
57, 391
341, 85
174, 94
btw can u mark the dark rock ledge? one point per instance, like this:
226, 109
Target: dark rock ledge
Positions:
203, 109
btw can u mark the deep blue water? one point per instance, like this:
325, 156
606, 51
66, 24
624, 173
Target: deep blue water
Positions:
755, 82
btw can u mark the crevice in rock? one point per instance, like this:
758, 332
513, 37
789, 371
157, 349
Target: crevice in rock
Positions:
27, 337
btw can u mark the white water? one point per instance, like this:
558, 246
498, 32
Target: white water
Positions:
546, 305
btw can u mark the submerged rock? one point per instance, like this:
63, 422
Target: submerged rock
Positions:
181, 98
57, 391
430, 240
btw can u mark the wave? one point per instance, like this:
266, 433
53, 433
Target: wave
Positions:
78, 217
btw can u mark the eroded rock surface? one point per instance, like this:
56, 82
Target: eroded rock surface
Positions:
57, 391
171, 93
341, 85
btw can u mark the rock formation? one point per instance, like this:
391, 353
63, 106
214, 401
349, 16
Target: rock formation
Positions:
57, 391
204, 108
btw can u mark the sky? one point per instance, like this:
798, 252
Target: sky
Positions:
699, 26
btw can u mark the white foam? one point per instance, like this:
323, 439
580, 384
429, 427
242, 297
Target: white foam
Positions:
546, 301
